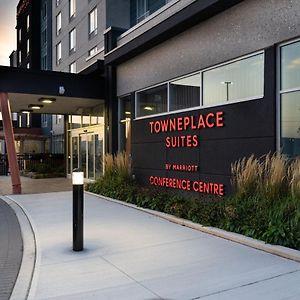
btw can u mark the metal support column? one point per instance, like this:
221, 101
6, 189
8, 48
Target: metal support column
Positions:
10, 144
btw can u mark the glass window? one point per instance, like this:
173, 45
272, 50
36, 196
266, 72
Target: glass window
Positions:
185, 92
93, 21
58, 53
72, 40
125, 124
44, 11
93, 51
44, 37
152, 101
28, 66
20, 34
57, 2
28, 22
85, 121
290, 123
72, 67
44, 62
290, 66
76, 122
238, 80
20, 56
58, 24
27, 47
72, 8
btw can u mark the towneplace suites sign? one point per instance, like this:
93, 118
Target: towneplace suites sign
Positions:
171, 127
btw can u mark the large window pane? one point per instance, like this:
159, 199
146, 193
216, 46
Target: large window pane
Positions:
152, 101
72, 40
185, 92
234, 81
93, 21
290, 123
290, 66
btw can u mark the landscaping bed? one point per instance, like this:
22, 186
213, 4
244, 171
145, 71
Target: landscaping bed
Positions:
264, 206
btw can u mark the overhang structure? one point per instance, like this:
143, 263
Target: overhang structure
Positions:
20, 88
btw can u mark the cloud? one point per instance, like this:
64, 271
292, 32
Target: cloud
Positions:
294, 64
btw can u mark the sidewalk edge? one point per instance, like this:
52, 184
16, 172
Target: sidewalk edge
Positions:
24, 279
231, 236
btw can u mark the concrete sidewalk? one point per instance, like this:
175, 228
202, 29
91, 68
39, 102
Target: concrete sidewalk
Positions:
130, 254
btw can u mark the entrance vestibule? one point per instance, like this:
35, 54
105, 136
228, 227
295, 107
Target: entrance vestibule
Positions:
87, 151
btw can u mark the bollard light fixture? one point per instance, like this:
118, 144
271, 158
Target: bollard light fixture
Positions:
78, 181
77, 178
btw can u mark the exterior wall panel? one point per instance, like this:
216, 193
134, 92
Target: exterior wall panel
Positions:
246, 27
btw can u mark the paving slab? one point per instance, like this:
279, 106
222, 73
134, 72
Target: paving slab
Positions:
130, 254
36, 186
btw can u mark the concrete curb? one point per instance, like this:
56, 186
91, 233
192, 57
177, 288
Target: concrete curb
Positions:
234, 237
24, 280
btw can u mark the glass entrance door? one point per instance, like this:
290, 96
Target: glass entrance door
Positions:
87, 154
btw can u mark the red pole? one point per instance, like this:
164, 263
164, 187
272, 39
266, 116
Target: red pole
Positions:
10, 144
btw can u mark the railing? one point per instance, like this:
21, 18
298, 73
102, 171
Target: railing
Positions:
33, 162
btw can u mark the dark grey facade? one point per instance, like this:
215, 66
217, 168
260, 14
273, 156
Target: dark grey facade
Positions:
184, 38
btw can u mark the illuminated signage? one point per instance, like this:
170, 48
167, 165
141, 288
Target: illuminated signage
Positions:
181, 124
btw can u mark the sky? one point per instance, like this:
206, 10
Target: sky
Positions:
7, 29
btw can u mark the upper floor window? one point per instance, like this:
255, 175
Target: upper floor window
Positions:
28, 22
20, 56
58, 53
58, 24
44, 37
93, 51
72, 67
72, 8
57, 2
19, 35
72, 40
93, 21
44, 62
27, 47
44, 11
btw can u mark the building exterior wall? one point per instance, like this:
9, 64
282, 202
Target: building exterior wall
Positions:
250, 127
84, 42
242, 29
46, 35
29, 58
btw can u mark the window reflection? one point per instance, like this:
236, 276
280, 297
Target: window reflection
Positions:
290, 123
238, 80
185, 92
290, 66
152, 101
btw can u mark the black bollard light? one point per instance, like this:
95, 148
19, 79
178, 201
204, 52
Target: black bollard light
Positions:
77, 181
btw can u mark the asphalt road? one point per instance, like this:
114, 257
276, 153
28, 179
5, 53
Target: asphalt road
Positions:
11, 249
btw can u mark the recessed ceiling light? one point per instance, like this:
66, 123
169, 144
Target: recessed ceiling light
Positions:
35, 106
148, 108
127, 113
47, 100
26, 111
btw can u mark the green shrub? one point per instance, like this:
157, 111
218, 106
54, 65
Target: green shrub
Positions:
265, 205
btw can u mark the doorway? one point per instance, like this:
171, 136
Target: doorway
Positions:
87, 150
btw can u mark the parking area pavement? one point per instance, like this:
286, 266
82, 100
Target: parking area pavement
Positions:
11, 246
129, 254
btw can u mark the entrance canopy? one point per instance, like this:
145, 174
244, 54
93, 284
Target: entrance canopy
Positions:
70, 93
